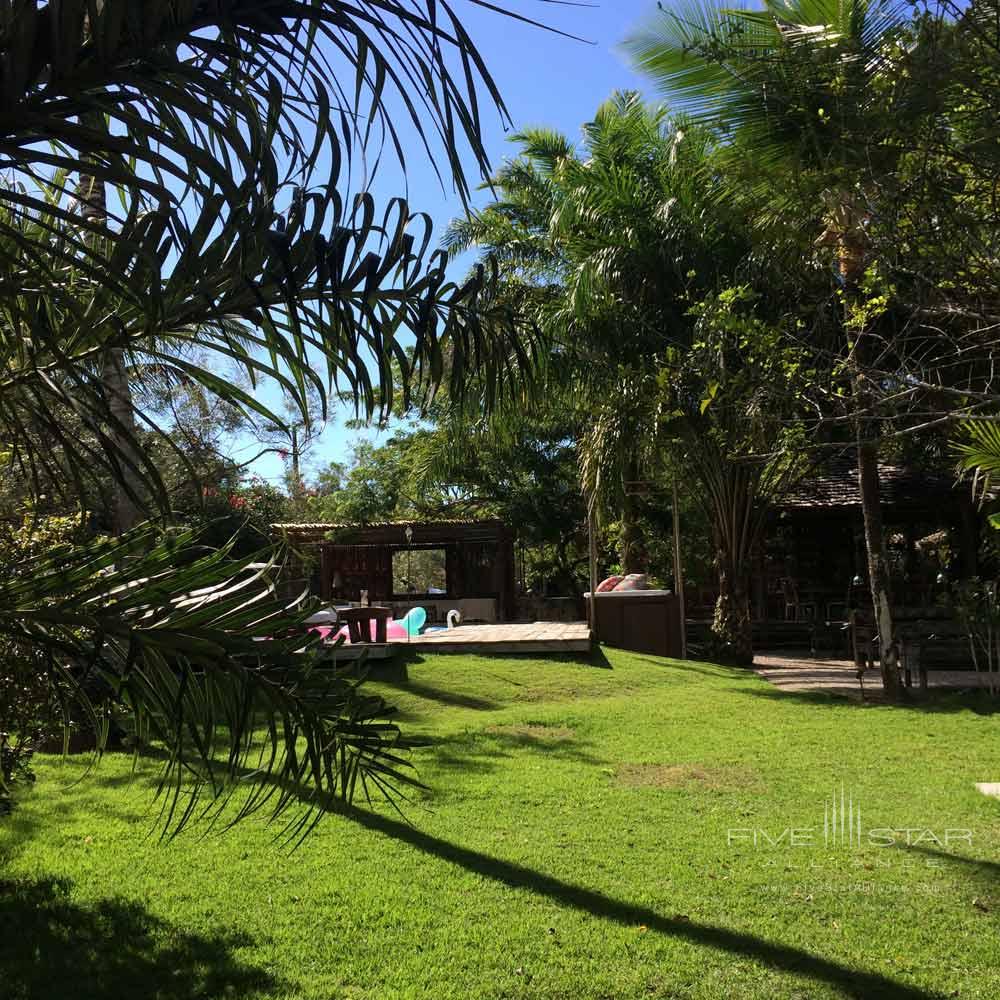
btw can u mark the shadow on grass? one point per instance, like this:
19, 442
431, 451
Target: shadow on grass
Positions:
453, 699
853, 982
693, 666
980, 868
484, 751
385, 669
52, 946
535, 739
818, 699
941, 701
396, 675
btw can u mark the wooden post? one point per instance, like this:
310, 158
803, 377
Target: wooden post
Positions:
502, 571
592, 543
969, 547
679, 573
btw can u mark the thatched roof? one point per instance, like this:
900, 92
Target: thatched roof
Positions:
394, 532
835, 485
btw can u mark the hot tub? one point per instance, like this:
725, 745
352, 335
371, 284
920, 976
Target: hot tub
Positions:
643, 621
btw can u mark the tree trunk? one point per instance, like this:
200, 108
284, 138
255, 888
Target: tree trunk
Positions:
732, 626
125, 512
878, 564
847, 232
969, 531
632, 544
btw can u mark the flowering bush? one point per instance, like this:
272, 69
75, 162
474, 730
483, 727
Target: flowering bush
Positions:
29, 714
30, 703
245, 510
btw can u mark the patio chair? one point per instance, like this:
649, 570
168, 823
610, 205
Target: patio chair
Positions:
795, 610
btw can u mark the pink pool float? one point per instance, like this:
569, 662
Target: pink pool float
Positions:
410, 624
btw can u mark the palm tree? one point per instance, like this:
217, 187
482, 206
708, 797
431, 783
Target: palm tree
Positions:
610, 248
579, 234
224, 135
125, 512
733, 404
816, 90
979, 452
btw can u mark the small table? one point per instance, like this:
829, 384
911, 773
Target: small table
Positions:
357, 621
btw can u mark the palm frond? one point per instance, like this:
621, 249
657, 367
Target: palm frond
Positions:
185, 187
209, 123
978, 452
201, 94
787, 78
197, 650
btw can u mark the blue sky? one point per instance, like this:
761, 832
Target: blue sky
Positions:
545, 79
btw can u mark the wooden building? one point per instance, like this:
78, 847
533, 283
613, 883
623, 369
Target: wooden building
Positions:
437, 565
811, 565
814, 546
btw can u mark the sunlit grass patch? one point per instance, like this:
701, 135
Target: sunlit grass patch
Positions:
622, 836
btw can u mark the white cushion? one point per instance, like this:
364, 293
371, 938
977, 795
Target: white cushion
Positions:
325, 616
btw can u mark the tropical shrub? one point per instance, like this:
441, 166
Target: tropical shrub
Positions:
32, 704
181, 197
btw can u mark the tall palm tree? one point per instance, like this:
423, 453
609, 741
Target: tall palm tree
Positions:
588, 241
224, 134
817, 89
610, 246
125, 512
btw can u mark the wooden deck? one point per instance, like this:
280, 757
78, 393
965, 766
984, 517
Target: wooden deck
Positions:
528, 637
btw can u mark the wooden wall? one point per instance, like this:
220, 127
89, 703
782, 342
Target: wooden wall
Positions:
479, 560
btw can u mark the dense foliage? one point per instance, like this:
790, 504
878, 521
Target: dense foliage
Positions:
796, 255
180, 223
33, 703
857, 137
632, 256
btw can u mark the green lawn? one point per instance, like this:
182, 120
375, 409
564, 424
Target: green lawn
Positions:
575, 844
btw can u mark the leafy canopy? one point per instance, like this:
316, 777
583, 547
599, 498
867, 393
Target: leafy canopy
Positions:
181, 190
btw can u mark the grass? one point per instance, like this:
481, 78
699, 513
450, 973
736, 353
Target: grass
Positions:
575, 843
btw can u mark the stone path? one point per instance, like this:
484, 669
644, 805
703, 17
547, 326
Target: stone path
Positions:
801, 673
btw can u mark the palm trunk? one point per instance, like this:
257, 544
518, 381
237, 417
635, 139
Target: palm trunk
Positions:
732, 626
871, 512
125, 512
735, 531
878, 565
730, 498
634, 556
847, 233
